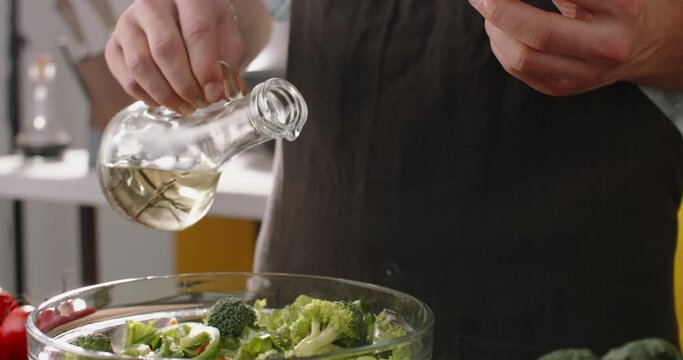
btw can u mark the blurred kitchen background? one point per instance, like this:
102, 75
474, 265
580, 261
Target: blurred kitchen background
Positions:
65, 240
58, 233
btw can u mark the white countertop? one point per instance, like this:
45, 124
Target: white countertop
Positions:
243, 188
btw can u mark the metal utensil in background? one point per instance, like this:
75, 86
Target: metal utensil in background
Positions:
105, 11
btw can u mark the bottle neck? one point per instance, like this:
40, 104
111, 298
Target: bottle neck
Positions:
212, 136
273, 110
278, 110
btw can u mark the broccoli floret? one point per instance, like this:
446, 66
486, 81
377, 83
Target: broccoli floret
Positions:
570, 354
231, 316
645, 349
386, 327
368, 318
95, 342
322, 323
279, 319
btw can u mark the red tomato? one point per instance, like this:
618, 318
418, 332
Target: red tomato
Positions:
63, 313
66, 308
80, 314
13, 333
3, 353
47, 320
7, 303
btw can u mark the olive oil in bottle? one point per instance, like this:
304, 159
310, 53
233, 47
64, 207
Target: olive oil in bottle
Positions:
192, 149
160, 199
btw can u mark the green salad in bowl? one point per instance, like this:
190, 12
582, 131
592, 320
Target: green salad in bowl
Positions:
232, 317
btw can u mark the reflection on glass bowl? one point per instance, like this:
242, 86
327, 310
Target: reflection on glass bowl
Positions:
105, 308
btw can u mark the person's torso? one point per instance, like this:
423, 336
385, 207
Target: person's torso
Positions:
526, 222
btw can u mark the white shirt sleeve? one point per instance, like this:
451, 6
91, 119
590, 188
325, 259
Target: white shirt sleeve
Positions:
670, 102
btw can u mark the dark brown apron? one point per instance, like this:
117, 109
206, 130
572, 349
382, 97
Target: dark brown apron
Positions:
527, 222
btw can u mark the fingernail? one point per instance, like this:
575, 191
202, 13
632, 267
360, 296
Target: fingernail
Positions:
185, 109
213, 92
478, 4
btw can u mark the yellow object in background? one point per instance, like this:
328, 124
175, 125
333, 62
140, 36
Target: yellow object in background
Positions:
678, 277
216, 245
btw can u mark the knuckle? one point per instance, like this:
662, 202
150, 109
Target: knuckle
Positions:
164, 47
495, 12
132, 88
116, 34
206, 73
124, 25
521, 60
616, 51
197, 30
622, 51
561, 87
128, 13
146, 4
139, 64
554, 88
189, 92
110, 51
543, 38
570, 86
591, 76
632, 9
555, 92
238, 48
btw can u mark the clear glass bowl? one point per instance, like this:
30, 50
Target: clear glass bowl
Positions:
105, 307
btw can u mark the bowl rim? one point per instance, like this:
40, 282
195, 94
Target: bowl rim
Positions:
37, 335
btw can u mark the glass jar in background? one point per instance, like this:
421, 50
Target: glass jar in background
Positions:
42, 133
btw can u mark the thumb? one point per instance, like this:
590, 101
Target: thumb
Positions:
232, 45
